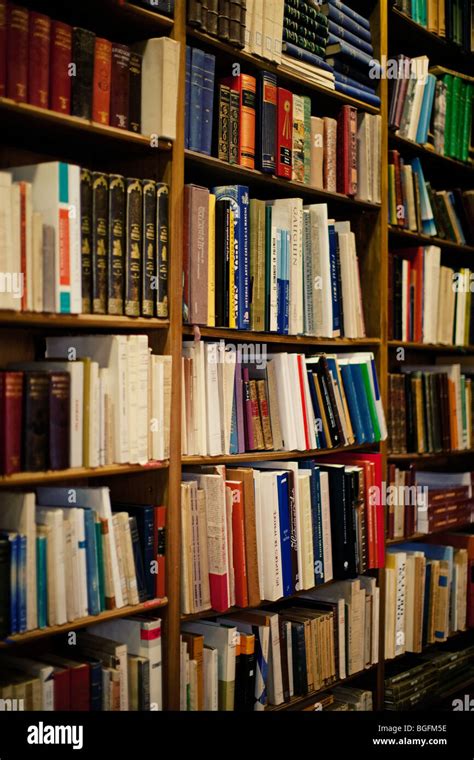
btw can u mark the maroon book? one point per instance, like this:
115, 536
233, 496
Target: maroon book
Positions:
80, 686
38, 72
3, 48
17, 53
120, 88
347, 151
60, 60
59, 399
11, 407
62, 689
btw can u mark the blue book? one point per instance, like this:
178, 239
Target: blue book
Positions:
138, 559
95, 682
350, 13
317, 519
427, 218
336, 311
144, 515
426, 108
234, 439
207, 103
285, 533
426, 601
21, 598
283, 284
93, 596
12, 539
266, 129
41, 577
338, 17
305, 55
348, 81
338, 33
188, 95
321, 442
359, 386
352, 403
454, 205
351, 71
238, 195
355, 92
352, 55
195, 99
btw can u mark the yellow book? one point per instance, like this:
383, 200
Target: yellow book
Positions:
211, 259
232, 291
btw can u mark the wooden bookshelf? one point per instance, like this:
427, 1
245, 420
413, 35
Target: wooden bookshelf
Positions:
421, 536
430, 456
81, 321
433, 347
268, 456
402, 236
408, 33
248, 336
78, 473
451, 166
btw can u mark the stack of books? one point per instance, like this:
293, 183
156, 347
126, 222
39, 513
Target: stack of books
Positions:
95, 400
451, 20
65, 555
231, 22
429, 302
424, 502
72, 71
269, 531
248, 660
431, 407
113, 258
276, 266
346, 699
305, 36
113, 666
426, 595
238, 399
416, 206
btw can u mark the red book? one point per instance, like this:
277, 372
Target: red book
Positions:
38, 71
101, 83
11, 413
3, 48
62, 689
236, 489
284, 133
23, 186
80, 686
17, 53
250, 439
120, 86
59, 79
160, 551
347, 151
246, 86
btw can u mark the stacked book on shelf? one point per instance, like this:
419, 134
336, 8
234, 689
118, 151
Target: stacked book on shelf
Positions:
238, 399
345, 699
247, 660
66, 555
252, 122
276, 266
420, 501
113, 666
431, 407
427, 587
94, 400
270, 530
426, 678
230, 22
416, 206
451, 20
429, 302
72, 71
432, 106
80, 241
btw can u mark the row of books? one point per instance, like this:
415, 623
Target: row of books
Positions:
114, 258
427, 590
237, 399
276, 266
416, 206
431, 407
430, 678
273, 529
115, 665
65, 555
70, 70
228, 21
438, 100
429, 302
452, 20
248, 660
94, 400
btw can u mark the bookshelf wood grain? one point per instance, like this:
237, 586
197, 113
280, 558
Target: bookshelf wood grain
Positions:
456, 169
74, 625
224, 333
268, 456
433, 347
411, 238
401, 457
81, 321
78, 473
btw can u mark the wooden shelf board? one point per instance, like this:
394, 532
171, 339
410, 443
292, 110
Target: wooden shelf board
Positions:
418, 237
137, 13
262, 64
73, 473
268, 456
226, 333
80, 321
444, 162
431, 455
419, 536
436, 646
414, 346
223, 168
12, 112
436, 43
41, 633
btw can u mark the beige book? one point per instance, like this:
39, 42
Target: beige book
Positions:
390, 605
306, 529
127, 557
317, 152
119, 542
273, 407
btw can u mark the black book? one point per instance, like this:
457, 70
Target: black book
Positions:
36, 422
5, 589
222, 123
138, 559
234, 22
148, 264
135, 93
100, 216
342, 524
298, 651
223, 22
195, 13
329, 400
234, 127
59, 407
83, 45
212, 17
248, 672
222, 262
133, 244
162, 248
86, 240
116, 244
411, 422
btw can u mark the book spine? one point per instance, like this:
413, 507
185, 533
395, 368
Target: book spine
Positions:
207, 103
148, 247
135, 94
83, 43
17, 53
11, 405
162, 244
3, 48
284, 133
195, 103
305, 55
133, 242
120, 86
61, 54
160, 522
116, 244
247, 88
267, 123
59, 404
100, 198
223, 122
36, 422
101, 82
86, 240
234, 126
38, 69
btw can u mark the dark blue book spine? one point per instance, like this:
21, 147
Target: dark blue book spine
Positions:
95, 686
354, 92
351, 71
195, 116
316, 516
285, 534
207, 103
22, 624
145, 519
266, 130
93, 595
354, 410
343, 79
353, 55
339, 17
336, 312
338, 33
188, 96
305, 55
352, 14
362, 402
426, 604
138, 559
321, 442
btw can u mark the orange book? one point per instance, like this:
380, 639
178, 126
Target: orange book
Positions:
246, 86
101, 83
238, 542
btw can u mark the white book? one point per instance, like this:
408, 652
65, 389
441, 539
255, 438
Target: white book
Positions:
256, 44
275, 678
54, 518
268, 28
322, 269
224, 639
160, 71
285, 388
94, 415
74, 221
307, 550
142, 410
213, 416
8, 299
347, 280
18, 266
71, 572
37, 256
271, 546
326, 525
210, 676
226, 374
400, 585
278, 15
18, 514
296, 401
432, 261
132, 397
36, 669
421, 82
259, 530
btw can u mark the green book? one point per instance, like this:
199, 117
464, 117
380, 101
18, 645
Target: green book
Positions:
392, 203
460, 119
422, 13
448, 80
307, 139
455, 110
100, 564
370, 400
466, 122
